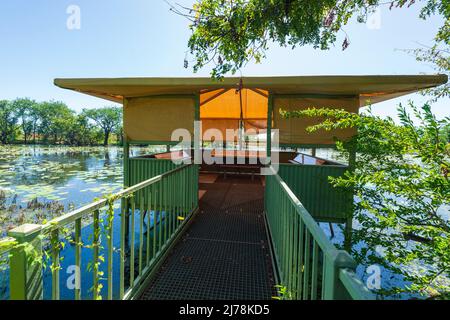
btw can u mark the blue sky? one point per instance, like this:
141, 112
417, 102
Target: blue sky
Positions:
126, 38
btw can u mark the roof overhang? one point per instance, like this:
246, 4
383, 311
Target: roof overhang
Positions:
373, 88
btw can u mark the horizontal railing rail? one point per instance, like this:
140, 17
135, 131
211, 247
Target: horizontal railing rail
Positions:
310, 266
354, 286
6, 245
151, 214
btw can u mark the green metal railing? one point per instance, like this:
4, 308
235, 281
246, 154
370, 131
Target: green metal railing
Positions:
310, 184
310, 266
165, 203
141, 169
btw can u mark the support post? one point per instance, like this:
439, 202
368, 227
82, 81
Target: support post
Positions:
126, 176
197, 143
26, 278
269, 127
126, 163
349, 222
334, 261
126, 151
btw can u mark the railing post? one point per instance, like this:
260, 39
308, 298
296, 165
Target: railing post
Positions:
26, 280
351, 208
269, 127
334, 261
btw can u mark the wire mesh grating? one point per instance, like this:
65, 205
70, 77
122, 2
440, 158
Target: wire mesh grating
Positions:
224, 255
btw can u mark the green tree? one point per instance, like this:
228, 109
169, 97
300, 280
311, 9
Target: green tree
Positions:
55, 118
446, 133
54, 122
8, 121
80, 132
34, 115
108, 119
26, 109
119, 134
45, 120
439, 58
402, 184
231, 33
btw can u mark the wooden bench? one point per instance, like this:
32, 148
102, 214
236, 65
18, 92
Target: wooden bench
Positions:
232, 169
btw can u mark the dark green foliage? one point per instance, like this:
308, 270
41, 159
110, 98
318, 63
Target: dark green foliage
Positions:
8, 121
402, 184
53, 122
231, 33
27, 110
109, 119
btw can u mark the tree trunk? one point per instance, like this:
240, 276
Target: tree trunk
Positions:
120, 139
34, 133
105, 142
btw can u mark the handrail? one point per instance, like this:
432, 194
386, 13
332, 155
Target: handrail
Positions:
6, 244
166, 202
78, 213
354, 286
309, 221
310, 266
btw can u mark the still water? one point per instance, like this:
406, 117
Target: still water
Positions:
39, 183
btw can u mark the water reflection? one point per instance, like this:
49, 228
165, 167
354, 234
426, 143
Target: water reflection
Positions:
38, 183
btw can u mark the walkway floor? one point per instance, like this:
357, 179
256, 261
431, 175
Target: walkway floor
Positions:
224, 253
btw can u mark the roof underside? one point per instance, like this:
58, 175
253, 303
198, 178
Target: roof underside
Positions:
373, 88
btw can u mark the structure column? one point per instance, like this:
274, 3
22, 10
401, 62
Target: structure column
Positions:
269, 127
26, 279
349, 222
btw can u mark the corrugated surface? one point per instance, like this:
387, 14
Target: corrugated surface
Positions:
309, 265
310, 184
224, 254
141, 169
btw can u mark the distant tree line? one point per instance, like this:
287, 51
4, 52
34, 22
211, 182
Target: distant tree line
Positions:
52, 122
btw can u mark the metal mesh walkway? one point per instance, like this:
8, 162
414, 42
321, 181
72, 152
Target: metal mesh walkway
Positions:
224, 254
